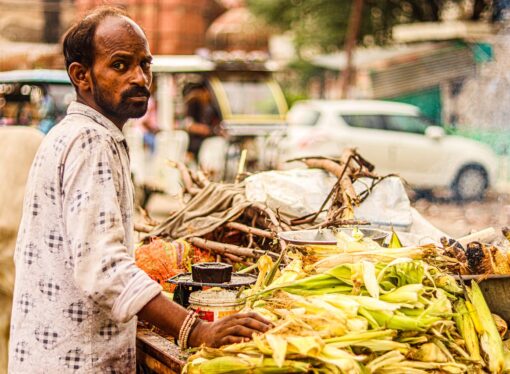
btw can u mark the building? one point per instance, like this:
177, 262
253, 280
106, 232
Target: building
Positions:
172, 26
426, 68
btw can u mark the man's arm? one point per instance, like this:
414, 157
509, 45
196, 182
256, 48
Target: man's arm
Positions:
193, 121
103, 268
170, 316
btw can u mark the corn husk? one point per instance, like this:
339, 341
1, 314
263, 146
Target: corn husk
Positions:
394, 316
490, 340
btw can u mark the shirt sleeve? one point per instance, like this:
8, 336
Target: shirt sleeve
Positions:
93, 217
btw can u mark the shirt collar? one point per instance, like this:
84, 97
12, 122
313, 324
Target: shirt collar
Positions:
79, 108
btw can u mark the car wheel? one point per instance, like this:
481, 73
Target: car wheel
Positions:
471, 183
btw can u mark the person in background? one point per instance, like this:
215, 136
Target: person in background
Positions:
24, 115
18, 145
202, 119
47, 111
78, 292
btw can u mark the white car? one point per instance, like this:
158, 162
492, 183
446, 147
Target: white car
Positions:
396, 138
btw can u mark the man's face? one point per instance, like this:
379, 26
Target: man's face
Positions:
121, 73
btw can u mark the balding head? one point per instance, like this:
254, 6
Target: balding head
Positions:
78, 45
108, 60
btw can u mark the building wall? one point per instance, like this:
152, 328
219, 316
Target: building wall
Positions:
23, 20
172, 26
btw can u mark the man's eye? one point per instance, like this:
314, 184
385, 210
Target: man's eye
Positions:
119, 65
146, 64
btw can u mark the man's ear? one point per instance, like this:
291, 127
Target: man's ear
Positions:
80, 75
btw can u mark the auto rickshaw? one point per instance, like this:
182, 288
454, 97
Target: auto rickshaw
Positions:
37, 98
247, 99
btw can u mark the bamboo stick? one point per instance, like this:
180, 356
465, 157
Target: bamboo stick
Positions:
186, 177
222, 248
270, 214
249, 230
202, 180
139, 227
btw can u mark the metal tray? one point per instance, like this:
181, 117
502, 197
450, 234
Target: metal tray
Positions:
482, 277
327, 236
238, 280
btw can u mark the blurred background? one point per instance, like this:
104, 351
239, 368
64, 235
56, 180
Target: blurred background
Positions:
277, 79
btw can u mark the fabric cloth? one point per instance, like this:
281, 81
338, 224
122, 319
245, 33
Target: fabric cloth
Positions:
14, 168
209, 209
77, 289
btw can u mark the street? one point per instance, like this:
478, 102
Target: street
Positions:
458, 219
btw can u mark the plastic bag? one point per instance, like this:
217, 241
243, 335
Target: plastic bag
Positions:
299, 192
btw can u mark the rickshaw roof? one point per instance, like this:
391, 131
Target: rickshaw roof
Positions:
181, 64
197, 64
35, 76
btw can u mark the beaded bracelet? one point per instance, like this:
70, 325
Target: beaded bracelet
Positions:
186, 328
192, 325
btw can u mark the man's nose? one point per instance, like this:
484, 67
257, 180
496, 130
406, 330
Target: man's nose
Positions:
141, 77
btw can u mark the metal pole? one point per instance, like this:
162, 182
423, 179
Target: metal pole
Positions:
165, 101
350, 44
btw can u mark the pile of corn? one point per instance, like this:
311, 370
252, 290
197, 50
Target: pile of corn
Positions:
401, 316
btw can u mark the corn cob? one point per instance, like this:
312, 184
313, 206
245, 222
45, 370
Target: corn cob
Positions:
499, 260
474, 317
467, 329
479, 258
490, 340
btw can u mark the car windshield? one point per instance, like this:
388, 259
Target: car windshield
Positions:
302, 116
249, 97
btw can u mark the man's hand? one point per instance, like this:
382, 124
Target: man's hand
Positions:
229, 330
169, 316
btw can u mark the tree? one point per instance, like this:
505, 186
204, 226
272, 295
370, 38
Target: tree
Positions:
323, 23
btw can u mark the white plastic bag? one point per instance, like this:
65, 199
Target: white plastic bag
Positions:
295, 192
299, 192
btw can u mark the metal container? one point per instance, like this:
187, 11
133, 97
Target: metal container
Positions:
214, 304
211, 272
327, 236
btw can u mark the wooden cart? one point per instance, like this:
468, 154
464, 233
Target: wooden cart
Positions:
157, 354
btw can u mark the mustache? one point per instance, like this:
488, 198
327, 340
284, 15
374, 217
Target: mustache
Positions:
136, 91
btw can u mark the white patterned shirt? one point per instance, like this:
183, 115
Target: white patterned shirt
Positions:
77, 289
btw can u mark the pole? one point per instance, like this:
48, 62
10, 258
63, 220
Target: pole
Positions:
350, 44
165, 99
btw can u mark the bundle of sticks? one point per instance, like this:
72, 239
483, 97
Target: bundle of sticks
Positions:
251, 228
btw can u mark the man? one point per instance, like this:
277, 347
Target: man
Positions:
77, 289
202, 119
14, 168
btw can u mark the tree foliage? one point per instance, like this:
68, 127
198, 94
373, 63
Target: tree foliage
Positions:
323, 23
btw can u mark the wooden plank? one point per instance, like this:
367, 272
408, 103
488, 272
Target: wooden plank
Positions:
160, 351
151, 363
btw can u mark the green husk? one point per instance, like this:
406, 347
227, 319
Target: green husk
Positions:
385, 317
490, 340
467, 329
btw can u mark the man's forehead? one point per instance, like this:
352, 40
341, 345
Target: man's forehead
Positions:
119, 33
